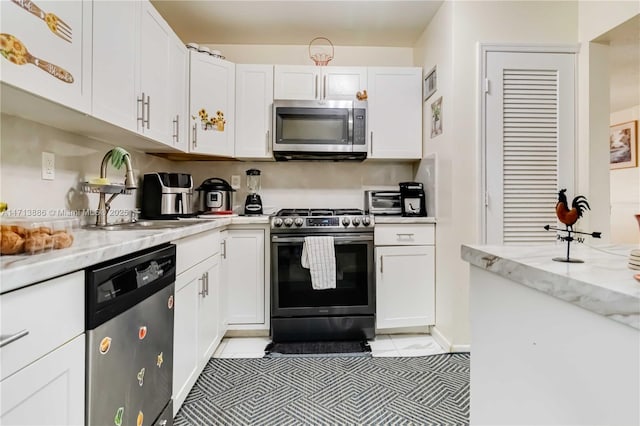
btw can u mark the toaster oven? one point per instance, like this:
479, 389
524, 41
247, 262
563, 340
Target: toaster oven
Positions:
382, 202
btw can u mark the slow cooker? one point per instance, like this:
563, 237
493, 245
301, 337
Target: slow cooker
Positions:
215, 196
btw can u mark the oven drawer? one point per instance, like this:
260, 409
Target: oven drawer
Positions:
404, 235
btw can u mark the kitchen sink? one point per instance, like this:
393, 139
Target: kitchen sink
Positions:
145, 224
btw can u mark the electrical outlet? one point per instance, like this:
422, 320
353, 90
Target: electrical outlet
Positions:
48, 166
235, 182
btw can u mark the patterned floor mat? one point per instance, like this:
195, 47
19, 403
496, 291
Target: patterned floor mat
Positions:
430, 390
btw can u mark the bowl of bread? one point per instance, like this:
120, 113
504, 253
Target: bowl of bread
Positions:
28, 236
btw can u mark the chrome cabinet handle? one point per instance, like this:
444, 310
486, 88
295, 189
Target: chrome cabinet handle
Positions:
195, 135
175, 129
371, 142
324, 88
140, 103
224, 249
381, 264
206, 280
5, 339
148, 110
316, 95
268, 148
202, 293
406, 235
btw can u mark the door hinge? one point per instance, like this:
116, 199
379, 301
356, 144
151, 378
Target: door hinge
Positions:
486, 85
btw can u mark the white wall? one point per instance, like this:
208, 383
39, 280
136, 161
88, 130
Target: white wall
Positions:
451, 41
596, 18
625, 191
77, 159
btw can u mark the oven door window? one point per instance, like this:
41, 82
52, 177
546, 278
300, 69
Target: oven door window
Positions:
309, 126
293, 284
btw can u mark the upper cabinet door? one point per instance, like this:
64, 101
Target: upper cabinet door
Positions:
116, 77
179, 84
212, 105
254, 101
317, 83
395, 112
47, 50
154, 75
343, 82
297, 82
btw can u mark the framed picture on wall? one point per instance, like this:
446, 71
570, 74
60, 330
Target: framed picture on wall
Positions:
430, 84
623, 145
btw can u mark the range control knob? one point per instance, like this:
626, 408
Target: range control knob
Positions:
345, 221
366, 221
288, 222
277, 222
299, 221
355, 221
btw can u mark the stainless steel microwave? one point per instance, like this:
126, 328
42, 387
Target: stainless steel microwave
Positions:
319, 130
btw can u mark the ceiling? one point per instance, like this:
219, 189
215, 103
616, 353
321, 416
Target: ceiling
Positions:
390, 23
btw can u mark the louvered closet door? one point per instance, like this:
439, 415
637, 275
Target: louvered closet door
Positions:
530, 140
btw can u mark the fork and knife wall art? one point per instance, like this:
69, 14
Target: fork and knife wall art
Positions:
13, 50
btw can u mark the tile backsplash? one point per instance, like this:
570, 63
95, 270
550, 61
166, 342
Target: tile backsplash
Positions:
78, 159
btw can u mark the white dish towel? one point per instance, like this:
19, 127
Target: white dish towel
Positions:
319, 256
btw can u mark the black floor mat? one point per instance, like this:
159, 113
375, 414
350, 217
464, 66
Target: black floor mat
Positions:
318, 349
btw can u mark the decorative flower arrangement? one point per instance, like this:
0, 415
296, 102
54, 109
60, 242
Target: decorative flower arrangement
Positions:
215, 123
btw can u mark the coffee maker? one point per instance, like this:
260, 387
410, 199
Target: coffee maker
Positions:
253, 203
412, 199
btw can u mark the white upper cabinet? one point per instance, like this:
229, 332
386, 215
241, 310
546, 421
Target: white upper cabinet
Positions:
116, 79
254, 101
132, 74
312, 82
179, 84
211, 105
395, 112
155, 42
47, 50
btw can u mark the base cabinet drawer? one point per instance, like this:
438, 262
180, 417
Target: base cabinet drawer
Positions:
404, 235
49, 391
37, 319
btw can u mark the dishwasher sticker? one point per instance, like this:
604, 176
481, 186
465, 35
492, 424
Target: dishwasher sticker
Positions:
140, 418
118, 418
105, 345
170, 302
142, 332
160, 360
141, 377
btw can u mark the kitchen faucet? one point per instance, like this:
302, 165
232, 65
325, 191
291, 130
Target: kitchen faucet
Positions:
118, 156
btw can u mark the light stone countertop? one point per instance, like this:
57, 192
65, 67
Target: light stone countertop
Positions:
95, 246
602, 284
402, 220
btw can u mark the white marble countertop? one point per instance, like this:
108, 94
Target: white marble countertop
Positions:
401, 219
95, 246
602, 284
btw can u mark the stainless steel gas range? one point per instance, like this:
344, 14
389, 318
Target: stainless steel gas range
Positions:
298, 311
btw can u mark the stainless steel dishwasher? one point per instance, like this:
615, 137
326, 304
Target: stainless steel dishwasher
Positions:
129, 324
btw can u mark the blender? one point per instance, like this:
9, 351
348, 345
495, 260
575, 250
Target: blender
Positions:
253, 203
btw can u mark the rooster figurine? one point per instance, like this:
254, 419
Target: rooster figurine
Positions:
570, 216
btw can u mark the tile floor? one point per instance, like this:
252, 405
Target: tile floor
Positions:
385, 345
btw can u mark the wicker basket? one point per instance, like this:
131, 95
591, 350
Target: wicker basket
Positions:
319, 53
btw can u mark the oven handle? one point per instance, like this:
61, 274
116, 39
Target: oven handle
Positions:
338, 239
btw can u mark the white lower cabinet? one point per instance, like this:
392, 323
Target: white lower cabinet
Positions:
42, 362
49, 391
196, 321
405, 276
246, 272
